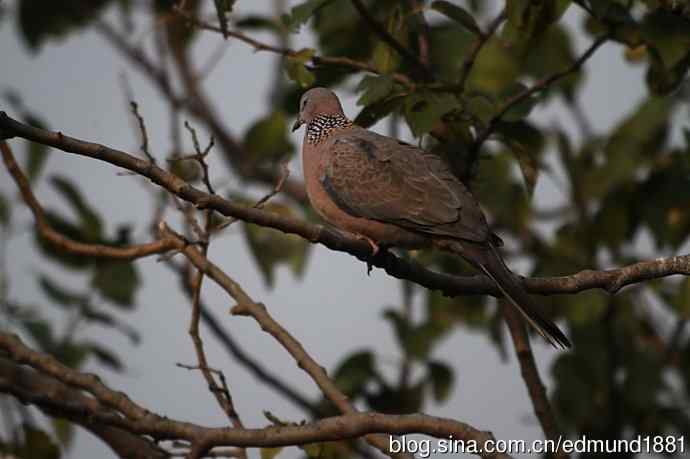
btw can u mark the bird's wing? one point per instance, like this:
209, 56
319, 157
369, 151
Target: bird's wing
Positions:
380, 178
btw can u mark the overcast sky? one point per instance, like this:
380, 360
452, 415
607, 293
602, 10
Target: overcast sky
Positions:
335, 309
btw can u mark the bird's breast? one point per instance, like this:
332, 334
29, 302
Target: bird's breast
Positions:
314, 166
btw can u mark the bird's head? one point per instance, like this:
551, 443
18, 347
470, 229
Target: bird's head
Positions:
317, 102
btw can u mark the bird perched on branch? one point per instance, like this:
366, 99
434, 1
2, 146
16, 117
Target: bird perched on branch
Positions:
392, 193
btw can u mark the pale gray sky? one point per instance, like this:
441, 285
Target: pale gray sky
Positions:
336, 309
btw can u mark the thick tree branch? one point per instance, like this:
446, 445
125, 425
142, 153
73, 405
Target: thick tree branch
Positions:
50, 396
530, 375
60, 241
611, 280
115, 409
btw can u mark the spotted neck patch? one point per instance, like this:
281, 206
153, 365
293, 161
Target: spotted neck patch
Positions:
322, 126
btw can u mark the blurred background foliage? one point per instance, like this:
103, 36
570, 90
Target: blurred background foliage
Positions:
628, 190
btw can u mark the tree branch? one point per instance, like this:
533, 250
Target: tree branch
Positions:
60, 241
50, 396
537, 87
530, 375
247, 306
611, 280
387, 38
115, 409
287, 52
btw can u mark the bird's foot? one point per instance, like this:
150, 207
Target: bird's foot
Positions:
374, 246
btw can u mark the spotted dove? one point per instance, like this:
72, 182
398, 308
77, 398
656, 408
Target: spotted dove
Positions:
394, 194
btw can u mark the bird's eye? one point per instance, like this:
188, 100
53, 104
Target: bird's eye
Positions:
304, 103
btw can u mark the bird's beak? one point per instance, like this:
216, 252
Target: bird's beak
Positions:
298, 124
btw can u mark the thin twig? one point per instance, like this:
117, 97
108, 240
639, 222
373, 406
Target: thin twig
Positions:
247, 306
381, 31
62, 242
529, 92
142, 129
471, 57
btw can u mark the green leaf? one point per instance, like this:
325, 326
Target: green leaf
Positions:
297, 70
526, 143
270, 453
424, 110
669, 34
37, 445
301, 13
385, 58
267, 139
521, 110
105, 357
5, 211
59, 294
355, 372
271, 248
40, 21
256, 22
116, 281
527, 20
553, 52
458, 14
40, 331
69, 353
496, 67
90, 222
64, 431
36, 153
373, 113
441, 378
374, 89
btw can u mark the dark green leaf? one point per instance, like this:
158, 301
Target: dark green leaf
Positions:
297, 70
60, 294
458, 14
5, 211
271, 248
117, 281
255, 22
373, 113
385, 58
270, 453
70, 353
424, 110
301, 13
353, 374
267, 139
40, 20
89, 220
37, 445
105, 357
441, 378
526, 142
37, 153
374, 89
64, 431
41, 332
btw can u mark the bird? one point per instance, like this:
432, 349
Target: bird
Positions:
395, 194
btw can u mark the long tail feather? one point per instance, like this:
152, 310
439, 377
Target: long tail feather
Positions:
491, 263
